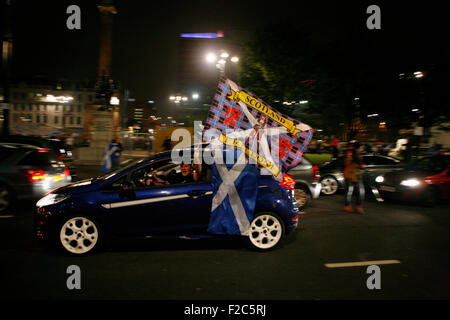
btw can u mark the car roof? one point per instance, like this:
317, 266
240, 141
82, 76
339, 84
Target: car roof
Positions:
12, 145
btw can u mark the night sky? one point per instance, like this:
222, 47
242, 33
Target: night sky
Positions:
145, 34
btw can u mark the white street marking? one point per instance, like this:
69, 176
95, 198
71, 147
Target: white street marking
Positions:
360, 263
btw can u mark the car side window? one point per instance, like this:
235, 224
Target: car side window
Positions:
115, 185
143, 177
369, 160
386, 161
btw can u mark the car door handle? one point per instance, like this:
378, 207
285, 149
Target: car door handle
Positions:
196, 193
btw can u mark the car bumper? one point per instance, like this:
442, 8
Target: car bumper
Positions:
401, 193
41, 224
315, 189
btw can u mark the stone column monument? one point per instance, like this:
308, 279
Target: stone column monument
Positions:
101, 121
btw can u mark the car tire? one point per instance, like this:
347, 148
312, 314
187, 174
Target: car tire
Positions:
430, 197
79, 235
302, 196
266, 231
330, 185
6, 198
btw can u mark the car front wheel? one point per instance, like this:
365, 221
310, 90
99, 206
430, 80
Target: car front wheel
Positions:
266, 231
329, 185
79, 235
302, 196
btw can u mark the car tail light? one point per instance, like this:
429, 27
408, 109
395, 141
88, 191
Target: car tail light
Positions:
42, 151
60, 158
316, 174
66, 172
35, 175
288, 182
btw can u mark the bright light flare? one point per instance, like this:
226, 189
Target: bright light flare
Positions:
114, 101
410, 183
211, 58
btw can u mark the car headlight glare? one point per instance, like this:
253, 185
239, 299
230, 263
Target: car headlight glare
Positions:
379, 179
52, 198
410, 183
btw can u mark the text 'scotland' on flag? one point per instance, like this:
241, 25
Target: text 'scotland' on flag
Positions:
264, 137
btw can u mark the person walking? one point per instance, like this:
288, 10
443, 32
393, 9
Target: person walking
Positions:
353, 167
111, 157
335, 146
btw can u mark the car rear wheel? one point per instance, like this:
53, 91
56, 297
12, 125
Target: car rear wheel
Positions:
329, 185
6, 198
302, 196
266, 231
79, 235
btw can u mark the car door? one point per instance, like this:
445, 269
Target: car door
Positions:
378, 166
160, 210
370, 170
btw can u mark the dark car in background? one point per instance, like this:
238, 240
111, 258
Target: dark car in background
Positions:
56, 145
307, 184
332, 173
425, 180
28, 172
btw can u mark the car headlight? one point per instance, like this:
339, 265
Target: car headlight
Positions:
52, 198
379, 179
410, 183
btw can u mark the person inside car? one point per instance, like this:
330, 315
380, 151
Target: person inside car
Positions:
187, 174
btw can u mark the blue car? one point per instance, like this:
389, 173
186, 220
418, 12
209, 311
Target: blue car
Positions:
133, 203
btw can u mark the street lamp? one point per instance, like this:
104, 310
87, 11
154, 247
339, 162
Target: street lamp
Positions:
221, 63
418, 74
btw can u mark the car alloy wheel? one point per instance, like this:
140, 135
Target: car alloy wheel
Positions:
5, 198
79, 235
266, 231
329, 185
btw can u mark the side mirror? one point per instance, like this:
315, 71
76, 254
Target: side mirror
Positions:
126, 190
126, 186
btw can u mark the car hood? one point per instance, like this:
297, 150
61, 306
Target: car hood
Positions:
78, 187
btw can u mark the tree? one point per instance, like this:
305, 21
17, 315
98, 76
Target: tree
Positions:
283, 66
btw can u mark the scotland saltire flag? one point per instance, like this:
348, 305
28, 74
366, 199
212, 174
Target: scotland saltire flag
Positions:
235, 188
110, 157
281, 139
261, 138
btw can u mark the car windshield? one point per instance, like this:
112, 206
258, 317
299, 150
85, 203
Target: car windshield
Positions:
120, 169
